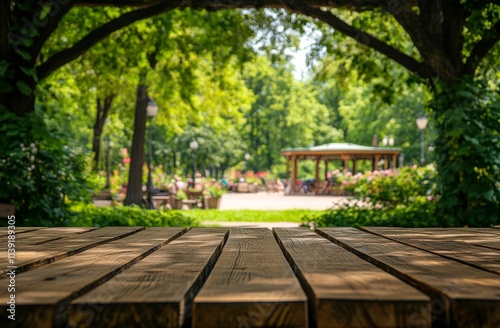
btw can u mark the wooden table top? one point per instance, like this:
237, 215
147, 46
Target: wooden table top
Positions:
252, 277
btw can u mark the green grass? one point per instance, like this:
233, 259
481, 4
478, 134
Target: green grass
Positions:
251, 215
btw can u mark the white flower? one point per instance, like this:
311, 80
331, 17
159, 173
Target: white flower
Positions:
33, 166
22, 145
32, 158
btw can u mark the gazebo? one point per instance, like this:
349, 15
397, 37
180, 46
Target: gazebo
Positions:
344, 152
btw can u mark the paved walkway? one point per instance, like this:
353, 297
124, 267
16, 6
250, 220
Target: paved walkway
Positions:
272, 201
276, 201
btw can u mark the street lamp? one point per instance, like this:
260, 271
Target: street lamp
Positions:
422, 124
151, 112
388, 141
194, 146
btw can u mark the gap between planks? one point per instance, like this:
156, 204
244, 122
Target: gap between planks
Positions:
461, 295
44, 299
157, 291
347, 291
469, 254
251, 284
30, 257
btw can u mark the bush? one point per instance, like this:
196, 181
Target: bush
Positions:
38, 173
354, 213
403, 198
88, 215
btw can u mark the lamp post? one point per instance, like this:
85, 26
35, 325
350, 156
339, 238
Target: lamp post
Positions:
194, 146
109, 145
422, 124
151, 110
388, 141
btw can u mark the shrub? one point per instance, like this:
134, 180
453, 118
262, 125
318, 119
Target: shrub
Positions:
38, 173
403, 198
88, 215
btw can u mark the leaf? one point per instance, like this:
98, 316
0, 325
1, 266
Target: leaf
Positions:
24, 88
5, 86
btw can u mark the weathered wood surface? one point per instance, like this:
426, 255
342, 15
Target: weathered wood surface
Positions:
346, 291
485, 238
157, 291
18, 230
251, 285
41, 236
462, 296
136, 277
29, 257
43, 294
467, 253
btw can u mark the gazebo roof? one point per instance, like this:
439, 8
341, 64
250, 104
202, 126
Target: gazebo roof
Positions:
341, 147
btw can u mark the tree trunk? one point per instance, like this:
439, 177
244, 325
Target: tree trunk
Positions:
134, 189
102, 111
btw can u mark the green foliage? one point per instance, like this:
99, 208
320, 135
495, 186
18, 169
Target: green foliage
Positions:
468, 153
419, 213
215, 191
391, 188
39, 173
88, 215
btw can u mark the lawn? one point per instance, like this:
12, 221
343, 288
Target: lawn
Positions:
251, 215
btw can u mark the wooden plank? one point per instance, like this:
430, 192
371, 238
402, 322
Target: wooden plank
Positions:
346, 291
251, 285
463, 235
32, 256
462, 296
44, 294
160, 288
19, 230
44, 235
497, 226
476, 256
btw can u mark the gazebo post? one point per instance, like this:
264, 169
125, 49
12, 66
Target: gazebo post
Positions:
287, 168
394, 163
354, 165
326, 168
386, 162
294, 173
316, 177
375, 162
346, 163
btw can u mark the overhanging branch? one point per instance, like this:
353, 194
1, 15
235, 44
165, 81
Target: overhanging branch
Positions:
65, 56
364, 38
481, 49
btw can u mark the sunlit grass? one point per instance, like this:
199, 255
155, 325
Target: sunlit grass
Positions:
251, 215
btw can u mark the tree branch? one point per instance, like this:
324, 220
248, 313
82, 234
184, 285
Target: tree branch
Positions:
357, 5
53, 19
65, 56
481, 49
421, 69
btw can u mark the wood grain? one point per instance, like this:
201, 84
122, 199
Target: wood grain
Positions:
470, 254
19, 230
157, 291
43, 294
29, 257
346, 291
462, 296
41, 236
252, 285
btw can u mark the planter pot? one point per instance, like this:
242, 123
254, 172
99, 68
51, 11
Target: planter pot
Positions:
176, 204
213, 202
